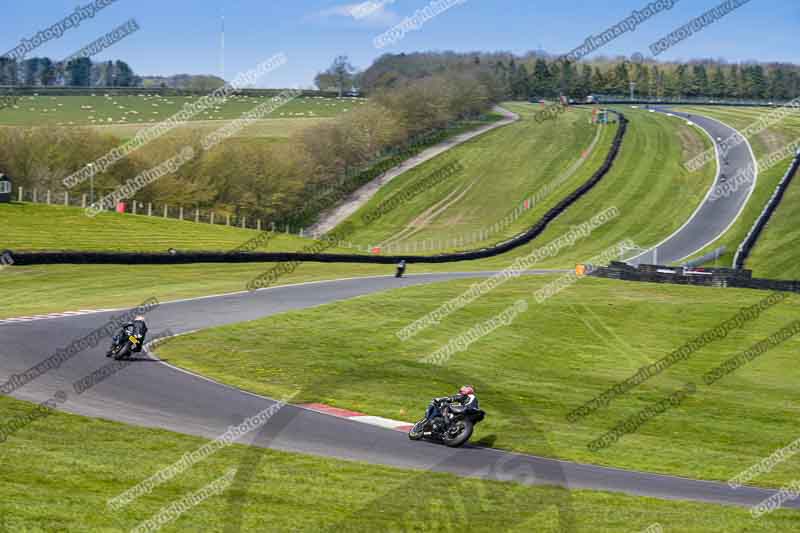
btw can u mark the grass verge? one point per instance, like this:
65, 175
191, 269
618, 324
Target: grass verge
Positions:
32, 227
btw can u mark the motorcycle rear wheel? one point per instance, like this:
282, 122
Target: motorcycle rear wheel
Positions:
461, 437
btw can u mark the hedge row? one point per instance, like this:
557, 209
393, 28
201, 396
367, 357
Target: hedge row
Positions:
175, 258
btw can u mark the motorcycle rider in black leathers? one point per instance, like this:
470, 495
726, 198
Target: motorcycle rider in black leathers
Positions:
139, 328
465, 400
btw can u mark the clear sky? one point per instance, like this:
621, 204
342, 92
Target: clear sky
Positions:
183, 36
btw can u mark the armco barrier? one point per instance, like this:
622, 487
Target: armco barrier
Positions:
45, 258
755, 232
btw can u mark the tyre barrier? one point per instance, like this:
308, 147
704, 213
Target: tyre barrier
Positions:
761, 222
707, 277
178, 257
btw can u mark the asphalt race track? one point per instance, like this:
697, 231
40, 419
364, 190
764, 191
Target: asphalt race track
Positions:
155, 394
714, 216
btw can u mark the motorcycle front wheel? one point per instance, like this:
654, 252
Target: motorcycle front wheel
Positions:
416, 432
124, 352
459, 434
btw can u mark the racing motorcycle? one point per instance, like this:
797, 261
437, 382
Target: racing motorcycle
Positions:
127, 343
401, 269
453, 428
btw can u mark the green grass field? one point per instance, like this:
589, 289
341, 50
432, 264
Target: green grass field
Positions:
775, 254
124, 116
771, 257
103, 109
530, 374
80, 463
51, 288
32, 227
500, 170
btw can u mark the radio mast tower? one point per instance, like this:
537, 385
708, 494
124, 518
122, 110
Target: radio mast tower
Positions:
222, 50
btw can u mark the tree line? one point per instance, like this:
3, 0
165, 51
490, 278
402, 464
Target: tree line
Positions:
81, 72
539, 75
